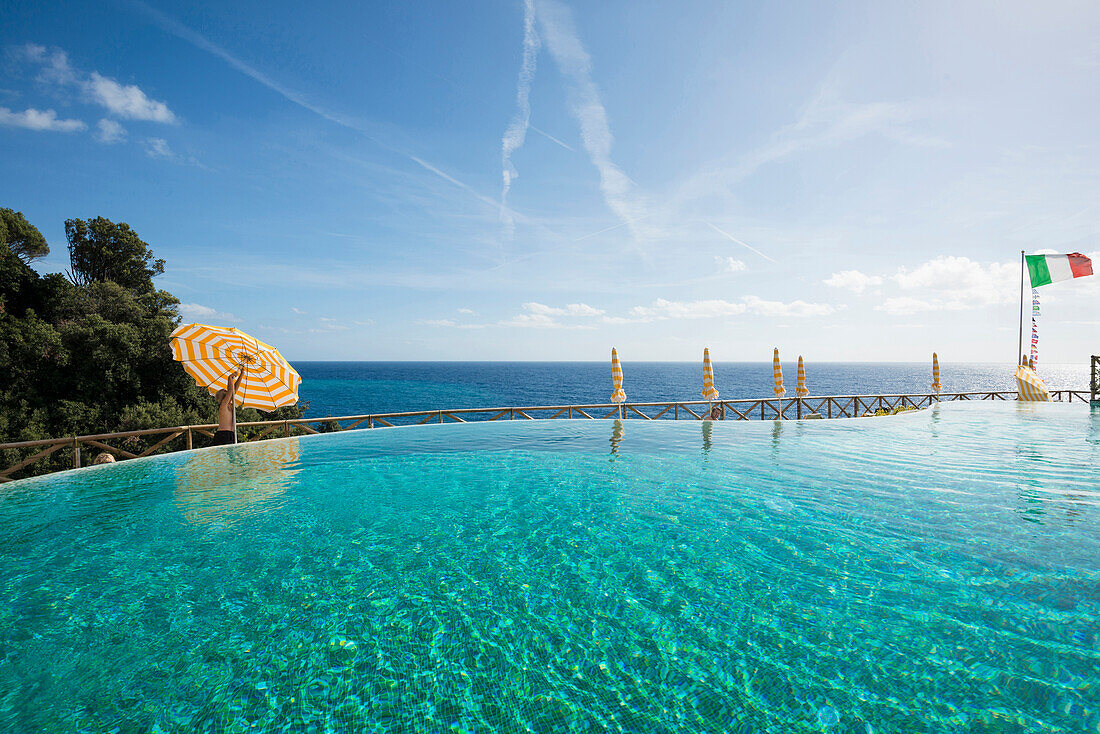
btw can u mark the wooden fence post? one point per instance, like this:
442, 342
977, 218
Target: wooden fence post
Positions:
190, 441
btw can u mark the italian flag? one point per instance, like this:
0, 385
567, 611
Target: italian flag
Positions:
1047, 269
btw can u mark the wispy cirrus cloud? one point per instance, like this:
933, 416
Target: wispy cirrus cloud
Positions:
39, 120
205, 313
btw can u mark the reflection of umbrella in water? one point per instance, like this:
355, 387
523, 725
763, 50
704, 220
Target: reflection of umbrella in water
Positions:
224, 486
618, 430
708, 429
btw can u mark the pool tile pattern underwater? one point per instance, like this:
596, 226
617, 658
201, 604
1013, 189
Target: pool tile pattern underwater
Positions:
932, 572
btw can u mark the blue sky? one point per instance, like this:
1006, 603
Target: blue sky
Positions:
545, 180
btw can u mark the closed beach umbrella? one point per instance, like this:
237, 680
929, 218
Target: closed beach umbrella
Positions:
1030, 387
709, 393
211, 353
617, 378
777, 373
801, 391
936, 385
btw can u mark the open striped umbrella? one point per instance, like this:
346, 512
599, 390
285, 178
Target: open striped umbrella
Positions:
777, 373
801, 391
211, 353
617, 378
936, 384
709, 393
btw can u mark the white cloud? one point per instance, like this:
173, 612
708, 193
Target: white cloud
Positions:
541, 321
572, 309
957, 282
157, 148
853, 280
198, 311
792, 308
126, 101
326, 324
439, 322
728, 264
904, 305
717, 308
945, 283
582, 309
298, 311
39, 121
110, 132
705, 309
467, 311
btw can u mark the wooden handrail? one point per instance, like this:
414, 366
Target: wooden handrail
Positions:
835, 406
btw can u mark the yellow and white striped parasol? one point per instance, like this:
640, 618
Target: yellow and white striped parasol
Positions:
617, 378
210, 354
709, 393
936, 384
777, 373
1030, 386
801, 391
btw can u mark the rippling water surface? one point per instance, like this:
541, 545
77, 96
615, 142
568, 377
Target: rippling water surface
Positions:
931, 572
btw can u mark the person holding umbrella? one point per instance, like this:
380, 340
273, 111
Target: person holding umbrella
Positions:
215, 356
227, 423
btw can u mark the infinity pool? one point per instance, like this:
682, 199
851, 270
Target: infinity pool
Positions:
931, 572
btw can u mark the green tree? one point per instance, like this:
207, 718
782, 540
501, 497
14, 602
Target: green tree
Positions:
100, 250
91, 354
21, 237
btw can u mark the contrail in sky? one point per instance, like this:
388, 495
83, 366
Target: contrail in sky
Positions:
173, 26
517, 130
731, 238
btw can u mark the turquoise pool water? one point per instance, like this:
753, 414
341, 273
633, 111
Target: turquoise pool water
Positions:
931, 572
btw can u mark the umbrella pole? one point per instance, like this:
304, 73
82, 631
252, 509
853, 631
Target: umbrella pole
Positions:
243, 380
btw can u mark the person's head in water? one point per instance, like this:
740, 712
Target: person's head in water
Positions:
104, 458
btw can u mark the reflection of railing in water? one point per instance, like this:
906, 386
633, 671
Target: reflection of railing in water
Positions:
828, 406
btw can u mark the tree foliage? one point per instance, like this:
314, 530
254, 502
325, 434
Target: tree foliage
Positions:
21, 237
93, 356
100, 251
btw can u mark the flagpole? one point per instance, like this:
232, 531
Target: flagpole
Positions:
1020, 344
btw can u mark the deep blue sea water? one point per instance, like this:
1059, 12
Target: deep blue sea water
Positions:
357, 388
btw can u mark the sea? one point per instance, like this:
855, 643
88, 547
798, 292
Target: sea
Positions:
358, 388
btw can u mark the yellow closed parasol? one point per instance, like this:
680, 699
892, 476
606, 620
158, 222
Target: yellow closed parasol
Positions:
936, 384
777, 374
618, 396
709, 392
210, 354
801, 391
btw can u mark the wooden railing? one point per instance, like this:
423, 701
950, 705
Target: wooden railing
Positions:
23, 454
1094, 383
